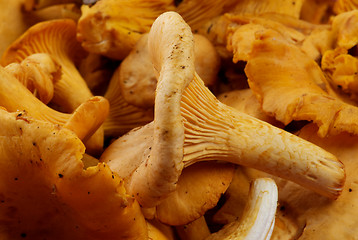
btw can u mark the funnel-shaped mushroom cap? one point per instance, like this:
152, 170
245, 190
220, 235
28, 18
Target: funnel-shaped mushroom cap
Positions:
58, 39
288, 89
258, 219
38, 72
191, 125
47, 194
84, 120
112, 27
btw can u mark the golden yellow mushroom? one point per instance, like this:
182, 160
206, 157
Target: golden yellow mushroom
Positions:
58, 39
294, 88
199, 189
191, 125
38, 72
84, 120
46, 192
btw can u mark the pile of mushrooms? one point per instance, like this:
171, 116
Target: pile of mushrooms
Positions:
172, 120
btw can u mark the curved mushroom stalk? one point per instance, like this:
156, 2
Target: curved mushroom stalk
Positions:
214, 131
86, 119
38, 72
258, 219
46, 193
191, 125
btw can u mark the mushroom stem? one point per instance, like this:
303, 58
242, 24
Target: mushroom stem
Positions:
258, 219
215, 131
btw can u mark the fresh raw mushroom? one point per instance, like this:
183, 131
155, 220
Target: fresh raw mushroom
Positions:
84, 120
58, 39
199, 189
38, 72
295, 88
131, 90
47, 194
191, 125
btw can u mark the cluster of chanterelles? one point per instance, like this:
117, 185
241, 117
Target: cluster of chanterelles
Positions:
183, 148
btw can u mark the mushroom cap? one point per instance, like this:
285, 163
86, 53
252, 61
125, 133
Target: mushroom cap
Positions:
46, 193
84, 120
38, 72
112, 27
58, 39
288, 86
199, 189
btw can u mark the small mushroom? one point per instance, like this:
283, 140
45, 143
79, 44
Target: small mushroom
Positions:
58, 39
84, 120
38, 72
191, 125
47, 194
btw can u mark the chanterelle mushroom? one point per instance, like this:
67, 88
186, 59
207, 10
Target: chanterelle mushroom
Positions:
46, 194
84, 120
58, 39
191, 125
37, 72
